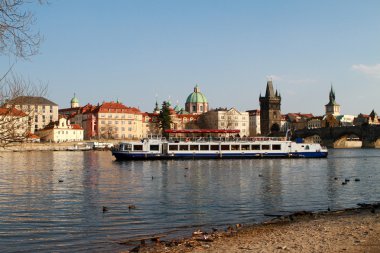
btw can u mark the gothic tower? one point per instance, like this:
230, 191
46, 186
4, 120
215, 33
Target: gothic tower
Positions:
270, 110
332, 108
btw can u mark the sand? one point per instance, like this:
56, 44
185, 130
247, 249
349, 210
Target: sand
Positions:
354, 230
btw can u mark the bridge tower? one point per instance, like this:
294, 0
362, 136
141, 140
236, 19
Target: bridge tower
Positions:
332, 108
270, 110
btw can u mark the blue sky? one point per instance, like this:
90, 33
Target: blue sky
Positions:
135, 50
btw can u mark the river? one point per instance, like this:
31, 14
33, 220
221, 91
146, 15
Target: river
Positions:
53, 201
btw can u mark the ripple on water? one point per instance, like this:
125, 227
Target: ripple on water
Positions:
39, 213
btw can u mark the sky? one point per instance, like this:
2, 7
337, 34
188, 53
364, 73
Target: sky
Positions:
141, 51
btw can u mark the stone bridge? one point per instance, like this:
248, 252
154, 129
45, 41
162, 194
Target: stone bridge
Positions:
336, 137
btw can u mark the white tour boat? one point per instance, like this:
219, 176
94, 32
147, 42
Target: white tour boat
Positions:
217, 148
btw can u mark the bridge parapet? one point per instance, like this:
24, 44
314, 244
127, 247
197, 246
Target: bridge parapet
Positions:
369, 134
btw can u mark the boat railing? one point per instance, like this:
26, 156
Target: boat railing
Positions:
224, 139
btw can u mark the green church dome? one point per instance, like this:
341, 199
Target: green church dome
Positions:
74, 100
196, 96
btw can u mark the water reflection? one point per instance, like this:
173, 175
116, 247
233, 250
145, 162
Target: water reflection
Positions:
52, 201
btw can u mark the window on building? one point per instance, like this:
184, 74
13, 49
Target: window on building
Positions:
51, 109
43, 109
123, 129
201, 108
194, 108
103, 122
129, 122
43, 118
129, 128
35, 118
51, 118
236, 124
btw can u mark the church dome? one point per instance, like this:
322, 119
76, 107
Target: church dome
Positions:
74, 100
196, 96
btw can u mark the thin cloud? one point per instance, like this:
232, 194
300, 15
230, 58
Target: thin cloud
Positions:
371, 71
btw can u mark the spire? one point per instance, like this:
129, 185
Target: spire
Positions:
269, 91
196, 89
332, 95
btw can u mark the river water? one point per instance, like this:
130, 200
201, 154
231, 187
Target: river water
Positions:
53, 201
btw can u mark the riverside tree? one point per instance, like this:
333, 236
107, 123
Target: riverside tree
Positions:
18, 40
164, 118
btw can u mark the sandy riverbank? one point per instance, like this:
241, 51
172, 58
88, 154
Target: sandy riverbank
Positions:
355, 230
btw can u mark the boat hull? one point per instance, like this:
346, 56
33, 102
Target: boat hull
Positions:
119, 155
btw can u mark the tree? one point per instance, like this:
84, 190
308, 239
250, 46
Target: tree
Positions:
164, 118
17, 37
15, 119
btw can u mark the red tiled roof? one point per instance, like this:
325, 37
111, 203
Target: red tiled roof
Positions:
12, 112
76, 126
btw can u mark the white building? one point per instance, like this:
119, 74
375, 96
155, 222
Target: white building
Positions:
227, 119
254, 122
61, 131
40, 110
346, 120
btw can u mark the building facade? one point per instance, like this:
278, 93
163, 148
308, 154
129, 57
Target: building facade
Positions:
222, 118
254, 122
61, 131
14, 125
40, 110
270, 110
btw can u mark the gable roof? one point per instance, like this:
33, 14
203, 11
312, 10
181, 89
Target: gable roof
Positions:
29, 100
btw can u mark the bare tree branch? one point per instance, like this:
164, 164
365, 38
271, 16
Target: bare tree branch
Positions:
16, 34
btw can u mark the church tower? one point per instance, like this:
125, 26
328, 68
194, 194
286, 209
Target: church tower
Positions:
332, 108
270, 110
74, 102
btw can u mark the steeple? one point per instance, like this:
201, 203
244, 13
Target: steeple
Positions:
269, 91
332, 95
156, 108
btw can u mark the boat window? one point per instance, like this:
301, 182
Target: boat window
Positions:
154, 147
256, 147
183, 147
276, 147
194, 147
235, 147
137, 147
307, 147
265, 147
244, 147
204, 147
225, 147
214, 147
173, 147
